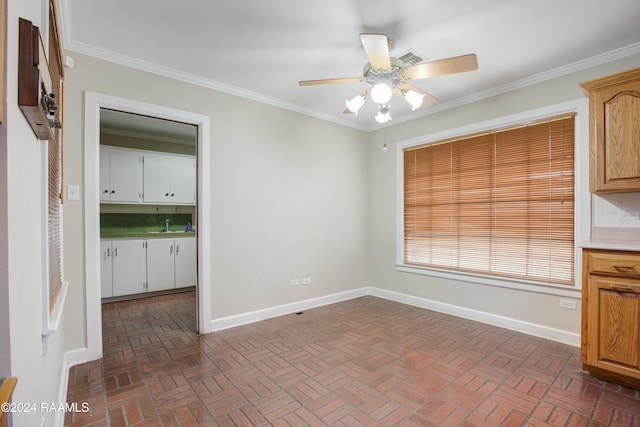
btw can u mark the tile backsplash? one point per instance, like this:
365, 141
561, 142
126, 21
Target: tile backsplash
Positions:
142, 222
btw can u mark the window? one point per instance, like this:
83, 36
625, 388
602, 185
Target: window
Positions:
499, 203
54, 213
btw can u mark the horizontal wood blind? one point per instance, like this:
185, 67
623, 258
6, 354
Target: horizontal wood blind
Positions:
499, 203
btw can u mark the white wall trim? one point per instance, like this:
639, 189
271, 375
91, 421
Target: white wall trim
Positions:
540, 331
71, 358
280, 310
93, 103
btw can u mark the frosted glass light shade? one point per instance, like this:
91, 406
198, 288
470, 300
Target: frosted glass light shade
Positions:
381, 93
414, 99
355, 104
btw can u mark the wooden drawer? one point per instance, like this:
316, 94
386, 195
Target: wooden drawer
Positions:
614, 263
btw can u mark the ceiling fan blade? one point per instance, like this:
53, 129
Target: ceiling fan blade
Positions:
377, 48
330, 81
441, 67
427, 101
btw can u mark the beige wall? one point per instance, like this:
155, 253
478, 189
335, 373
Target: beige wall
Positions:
539, 309
288, 194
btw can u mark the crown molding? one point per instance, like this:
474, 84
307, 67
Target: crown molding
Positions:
150, 67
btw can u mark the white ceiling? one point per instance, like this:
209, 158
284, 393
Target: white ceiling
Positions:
261, 49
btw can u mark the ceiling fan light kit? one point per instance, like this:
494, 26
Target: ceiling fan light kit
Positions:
388, 76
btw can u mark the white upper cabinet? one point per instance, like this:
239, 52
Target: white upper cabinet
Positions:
169, 179
137, 176
120, 175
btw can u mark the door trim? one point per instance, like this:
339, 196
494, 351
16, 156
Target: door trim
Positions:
93, 103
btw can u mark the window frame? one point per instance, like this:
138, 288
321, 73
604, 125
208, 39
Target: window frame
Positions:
582, 198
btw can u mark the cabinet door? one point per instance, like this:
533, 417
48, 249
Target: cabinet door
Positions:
129, 267
614, 114
183, 180
160, 264
105, 186
186, 262
157, 178
106, 275
614, 325
125, 176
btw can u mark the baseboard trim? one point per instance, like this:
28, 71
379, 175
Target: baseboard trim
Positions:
280, 310
71, 358
564, 337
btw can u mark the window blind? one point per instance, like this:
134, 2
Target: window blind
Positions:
498, 203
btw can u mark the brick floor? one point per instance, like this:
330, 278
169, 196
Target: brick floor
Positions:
362, 362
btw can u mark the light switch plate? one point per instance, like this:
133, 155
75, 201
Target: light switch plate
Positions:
73, 192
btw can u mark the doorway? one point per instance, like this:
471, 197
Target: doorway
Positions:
94, 105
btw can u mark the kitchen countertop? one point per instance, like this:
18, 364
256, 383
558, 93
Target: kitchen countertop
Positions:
136, 233
609, 245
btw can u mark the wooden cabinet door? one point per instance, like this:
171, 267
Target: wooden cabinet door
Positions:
186, 262
106, 275
614, 128
614, 325
160, 264
129, 267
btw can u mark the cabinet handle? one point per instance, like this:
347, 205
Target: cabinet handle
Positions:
171, 250
108, 250
177, 249
625, 268
115, 252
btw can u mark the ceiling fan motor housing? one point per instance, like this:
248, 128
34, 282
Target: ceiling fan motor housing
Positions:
392, 76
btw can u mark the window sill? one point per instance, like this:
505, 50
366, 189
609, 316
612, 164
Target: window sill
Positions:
480, 279
55, 315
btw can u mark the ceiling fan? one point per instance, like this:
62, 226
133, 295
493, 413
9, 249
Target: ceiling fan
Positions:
388, 76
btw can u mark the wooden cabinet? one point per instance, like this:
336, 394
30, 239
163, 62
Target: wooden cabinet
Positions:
120, 175
611, 315
169, 179
614, 132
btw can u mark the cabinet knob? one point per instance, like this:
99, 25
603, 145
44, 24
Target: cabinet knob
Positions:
166, 194
172, 194
113, 191
105, 191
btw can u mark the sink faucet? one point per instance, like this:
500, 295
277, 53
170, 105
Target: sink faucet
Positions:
166, 224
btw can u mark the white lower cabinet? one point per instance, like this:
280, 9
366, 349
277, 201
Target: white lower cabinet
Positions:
186, 263
136, 266
160, 264
106, 272
128, 267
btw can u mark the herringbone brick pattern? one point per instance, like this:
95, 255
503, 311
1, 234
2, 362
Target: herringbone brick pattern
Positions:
362, 362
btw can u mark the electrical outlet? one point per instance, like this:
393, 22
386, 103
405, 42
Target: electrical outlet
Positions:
306, 281
295, 282
565, 303
629, 215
